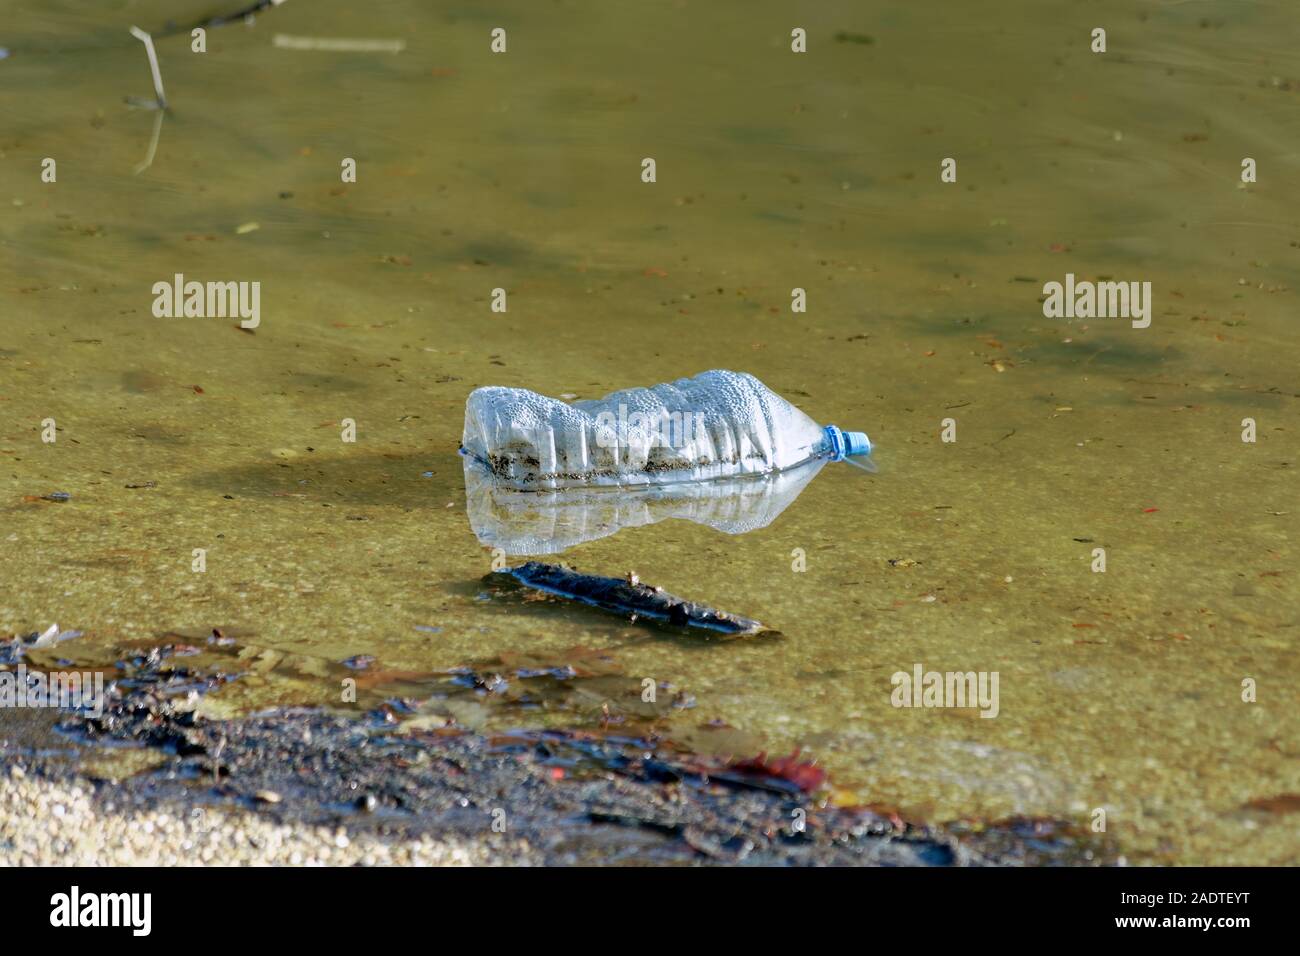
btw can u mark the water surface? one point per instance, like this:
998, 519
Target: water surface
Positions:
1119, 690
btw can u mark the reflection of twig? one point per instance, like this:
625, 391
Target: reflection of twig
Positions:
147, 40
153, 144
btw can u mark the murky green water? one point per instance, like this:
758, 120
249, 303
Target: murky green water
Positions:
1119, 690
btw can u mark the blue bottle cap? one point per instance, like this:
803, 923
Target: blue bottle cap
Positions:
857, 443
842, 443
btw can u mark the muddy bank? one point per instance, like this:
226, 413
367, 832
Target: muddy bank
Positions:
431, 791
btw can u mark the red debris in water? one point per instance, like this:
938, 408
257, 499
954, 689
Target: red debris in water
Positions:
1281, 803
804, 774
1147, 511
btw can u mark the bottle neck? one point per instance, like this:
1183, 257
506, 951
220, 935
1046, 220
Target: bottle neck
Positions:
834, 443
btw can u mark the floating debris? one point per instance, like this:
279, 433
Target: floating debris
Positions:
12, 650
160, 103
784, 773
627, 596
1281, 803
47, 637
283, 41
243, 15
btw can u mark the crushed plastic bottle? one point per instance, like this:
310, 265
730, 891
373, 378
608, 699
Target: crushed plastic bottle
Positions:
718, 424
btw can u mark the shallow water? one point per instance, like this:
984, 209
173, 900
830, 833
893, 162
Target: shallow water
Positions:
1119, 690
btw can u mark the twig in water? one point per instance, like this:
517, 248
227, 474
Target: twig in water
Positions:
147, 40
160, 101
220, 20
159, 104
337, 44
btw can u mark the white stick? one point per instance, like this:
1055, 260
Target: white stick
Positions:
337, 44
147, 40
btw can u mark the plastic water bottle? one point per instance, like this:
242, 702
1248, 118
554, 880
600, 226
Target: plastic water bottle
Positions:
718, 424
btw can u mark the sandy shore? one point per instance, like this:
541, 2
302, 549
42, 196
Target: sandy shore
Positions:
47, 823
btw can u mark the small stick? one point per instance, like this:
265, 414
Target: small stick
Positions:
337, 44
147, 40
219, 20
